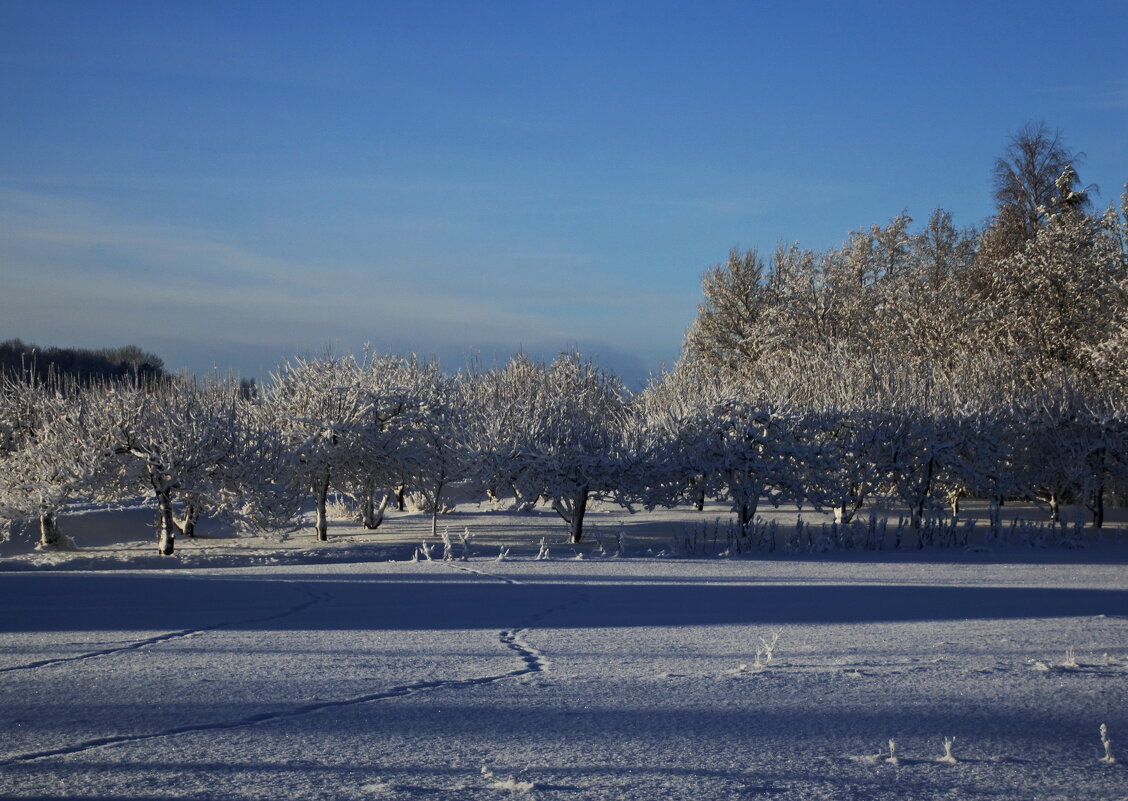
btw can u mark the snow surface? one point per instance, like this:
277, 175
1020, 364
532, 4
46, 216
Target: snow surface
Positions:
275, 669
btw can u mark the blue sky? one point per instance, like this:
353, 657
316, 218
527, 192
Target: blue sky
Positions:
231, 183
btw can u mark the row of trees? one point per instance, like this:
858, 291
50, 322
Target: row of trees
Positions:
373, 429
563, 433
924, 366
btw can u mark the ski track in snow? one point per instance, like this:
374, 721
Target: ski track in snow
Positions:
314, 598
513, 639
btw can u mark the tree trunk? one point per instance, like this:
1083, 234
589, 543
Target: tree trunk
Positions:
916, 514
1098, 507
1055, 508
321, 496
49, 535
166, 538
747, 513
401, 491
954, 503
578, 510
371, 513
436, 505
191, 515
697, 485
850, 506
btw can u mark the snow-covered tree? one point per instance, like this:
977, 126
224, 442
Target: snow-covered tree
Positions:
727, 331
552, 431
51, 450
173, 441
1054, 301
336, 414
434, 449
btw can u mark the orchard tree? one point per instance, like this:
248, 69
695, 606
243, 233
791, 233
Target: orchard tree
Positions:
433, 448
172, 441
675, 426
336, 414
507, 414
51, 450
552, 431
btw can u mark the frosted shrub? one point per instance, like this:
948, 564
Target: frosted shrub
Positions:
502, 553
1070, 660
424, 550
515, 784
339, 508
1108, 758
542, 554
448, 546
765, 651
948, 758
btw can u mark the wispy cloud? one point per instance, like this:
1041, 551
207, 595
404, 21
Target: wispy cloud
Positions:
78, 273
1112, 95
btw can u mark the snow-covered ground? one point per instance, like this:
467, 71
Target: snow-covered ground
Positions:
276, 669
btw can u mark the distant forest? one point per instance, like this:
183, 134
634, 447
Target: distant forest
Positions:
22, 360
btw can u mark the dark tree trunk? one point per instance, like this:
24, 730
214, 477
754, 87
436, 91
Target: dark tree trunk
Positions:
579, 509
191, 515
49, 535
321, 496
1098, 507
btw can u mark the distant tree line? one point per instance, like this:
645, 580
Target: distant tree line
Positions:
31, 362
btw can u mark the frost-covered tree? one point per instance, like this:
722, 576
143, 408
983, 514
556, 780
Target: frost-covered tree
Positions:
336, 414
51, 450
1027, 176
727, 331
1055, 300
173, 441
675, 428
552, 431
435, 450
507, 413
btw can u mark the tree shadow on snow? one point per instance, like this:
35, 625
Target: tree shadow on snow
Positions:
38, 602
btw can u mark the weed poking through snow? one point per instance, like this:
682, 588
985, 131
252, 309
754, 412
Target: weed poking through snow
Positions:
948, 758
464, 540
892, 759
1108, 758
514, 784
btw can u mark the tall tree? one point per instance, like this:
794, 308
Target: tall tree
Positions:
1027, 174
727, 329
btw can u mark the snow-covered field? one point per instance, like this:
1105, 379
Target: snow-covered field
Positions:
275, 669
